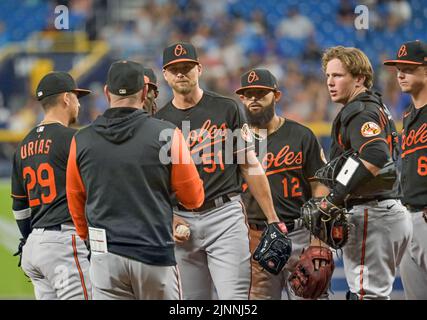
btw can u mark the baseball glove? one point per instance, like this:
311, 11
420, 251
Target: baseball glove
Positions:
313, 273
326, 222
274, 248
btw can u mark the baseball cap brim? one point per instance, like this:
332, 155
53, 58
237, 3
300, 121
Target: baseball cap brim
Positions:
180, 60
81, 92
394, 62
240, 90
153, 84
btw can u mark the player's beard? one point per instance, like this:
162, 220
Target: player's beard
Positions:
184, 89
150, 107
262, 117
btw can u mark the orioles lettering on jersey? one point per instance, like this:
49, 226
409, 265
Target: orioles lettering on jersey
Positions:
208, 141
414, 138
208, 131
282, 160
413, 141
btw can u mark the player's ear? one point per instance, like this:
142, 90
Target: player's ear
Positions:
107, 94
145, 89
277, 95
66, 98
199, 69
360, 80
242, 97
144, 93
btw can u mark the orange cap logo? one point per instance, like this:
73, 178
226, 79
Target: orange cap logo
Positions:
402, 51
252, 77
179, 50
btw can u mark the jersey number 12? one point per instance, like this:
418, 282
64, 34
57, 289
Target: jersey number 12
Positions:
294, 186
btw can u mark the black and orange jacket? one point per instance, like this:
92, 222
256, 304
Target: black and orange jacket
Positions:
365, 125
120, 178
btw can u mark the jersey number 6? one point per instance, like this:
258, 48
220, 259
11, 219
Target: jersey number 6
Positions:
37, 177
422, 166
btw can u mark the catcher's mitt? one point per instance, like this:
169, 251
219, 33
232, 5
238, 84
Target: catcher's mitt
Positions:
274, 248
326, 222
313, 273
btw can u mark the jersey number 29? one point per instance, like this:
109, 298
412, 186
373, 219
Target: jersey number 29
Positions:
36, 177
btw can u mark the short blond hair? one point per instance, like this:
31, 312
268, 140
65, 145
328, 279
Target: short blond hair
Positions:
354, 61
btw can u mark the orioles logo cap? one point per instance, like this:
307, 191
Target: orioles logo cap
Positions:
57, 82
179, 52
257, 79
412, 52
125, 78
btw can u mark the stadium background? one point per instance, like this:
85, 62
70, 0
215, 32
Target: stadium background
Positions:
286, 36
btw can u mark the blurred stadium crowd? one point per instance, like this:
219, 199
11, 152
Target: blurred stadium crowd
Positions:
285, 36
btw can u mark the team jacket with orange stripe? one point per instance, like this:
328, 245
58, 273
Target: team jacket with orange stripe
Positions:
121, 173
365, 125
414, 156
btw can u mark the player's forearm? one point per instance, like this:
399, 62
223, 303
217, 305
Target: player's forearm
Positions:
373, 169
22, 214
260, 189
319, 190
76, 193
76, 205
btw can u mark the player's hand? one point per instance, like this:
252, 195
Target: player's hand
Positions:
21, 245
177, 220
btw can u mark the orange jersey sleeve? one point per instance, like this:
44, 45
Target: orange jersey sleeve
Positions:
76, 193
186, 182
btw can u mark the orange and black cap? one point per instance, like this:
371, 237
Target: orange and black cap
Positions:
152, 79
257, 79
179, 52
57, 82
125, 78
412, 52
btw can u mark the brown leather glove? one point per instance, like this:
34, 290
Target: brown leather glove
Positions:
313, 273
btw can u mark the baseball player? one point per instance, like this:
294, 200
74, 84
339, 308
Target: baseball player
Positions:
292, 157
119, 188
217, 252
364, 136
152, 92
53, 256
411, 65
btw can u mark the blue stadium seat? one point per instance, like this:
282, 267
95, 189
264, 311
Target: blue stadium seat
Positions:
15, 15
290, 48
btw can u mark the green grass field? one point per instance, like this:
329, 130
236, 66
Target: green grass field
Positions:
13, 283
